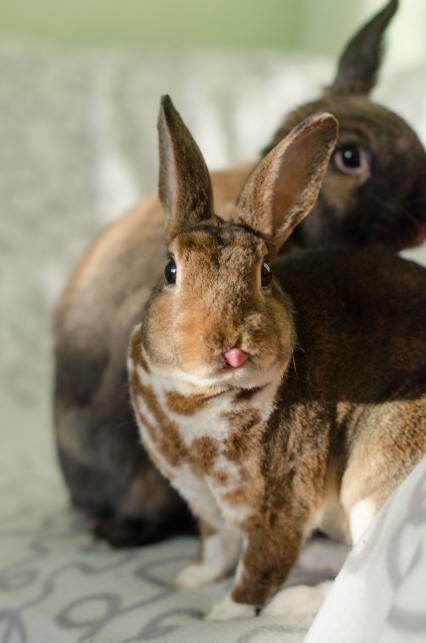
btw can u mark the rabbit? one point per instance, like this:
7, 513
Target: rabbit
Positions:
374, 192
276, 395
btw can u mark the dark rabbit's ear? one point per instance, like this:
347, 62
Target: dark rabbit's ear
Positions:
360, 62
184, 184
284, 186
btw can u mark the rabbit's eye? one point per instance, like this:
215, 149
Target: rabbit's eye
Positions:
266, 275
351, 156
170, 272
352, 159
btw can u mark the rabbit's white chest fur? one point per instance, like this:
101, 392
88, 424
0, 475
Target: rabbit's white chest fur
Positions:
205, 445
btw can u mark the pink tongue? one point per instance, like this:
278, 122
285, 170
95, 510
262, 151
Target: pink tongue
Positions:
235, 357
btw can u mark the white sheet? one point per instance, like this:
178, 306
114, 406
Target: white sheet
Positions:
380, 594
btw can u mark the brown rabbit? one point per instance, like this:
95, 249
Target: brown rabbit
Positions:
275, 401
374, 192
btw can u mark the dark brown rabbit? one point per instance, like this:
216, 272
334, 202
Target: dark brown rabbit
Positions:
374, 192
275, 402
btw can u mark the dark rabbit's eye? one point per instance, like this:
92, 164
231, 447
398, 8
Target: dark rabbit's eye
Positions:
352, 159
266, 275
351, 156
170, 272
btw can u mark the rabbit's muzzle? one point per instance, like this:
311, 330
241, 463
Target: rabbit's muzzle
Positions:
241, 349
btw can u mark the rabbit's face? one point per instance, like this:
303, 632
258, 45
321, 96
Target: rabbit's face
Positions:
375, 188
217, 318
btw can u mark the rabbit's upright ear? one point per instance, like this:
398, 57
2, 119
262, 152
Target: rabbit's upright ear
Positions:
184, 184
360, 62
284, 186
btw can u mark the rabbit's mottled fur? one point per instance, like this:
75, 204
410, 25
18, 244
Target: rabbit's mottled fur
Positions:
381, 200
274, 407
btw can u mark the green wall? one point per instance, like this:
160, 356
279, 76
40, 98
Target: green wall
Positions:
296, 24
309, 25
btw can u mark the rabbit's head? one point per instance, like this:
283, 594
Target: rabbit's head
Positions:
218, 318
375, 189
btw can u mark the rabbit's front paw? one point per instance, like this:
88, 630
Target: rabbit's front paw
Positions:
299, 600
195, 575
227, 609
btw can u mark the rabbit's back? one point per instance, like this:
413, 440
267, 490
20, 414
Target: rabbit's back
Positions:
360, 320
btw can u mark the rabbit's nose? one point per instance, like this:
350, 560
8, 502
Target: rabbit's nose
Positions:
235, 357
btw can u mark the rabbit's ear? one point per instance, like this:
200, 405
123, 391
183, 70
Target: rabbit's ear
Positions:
359, 64
284, 186
184, 184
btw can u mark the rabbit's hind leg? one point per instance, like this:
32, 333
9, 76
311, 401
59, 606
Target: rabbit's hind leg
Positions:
390, 440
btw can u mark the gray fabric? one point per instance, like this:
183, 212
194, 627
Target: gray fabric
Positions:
77, 146
57, 585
